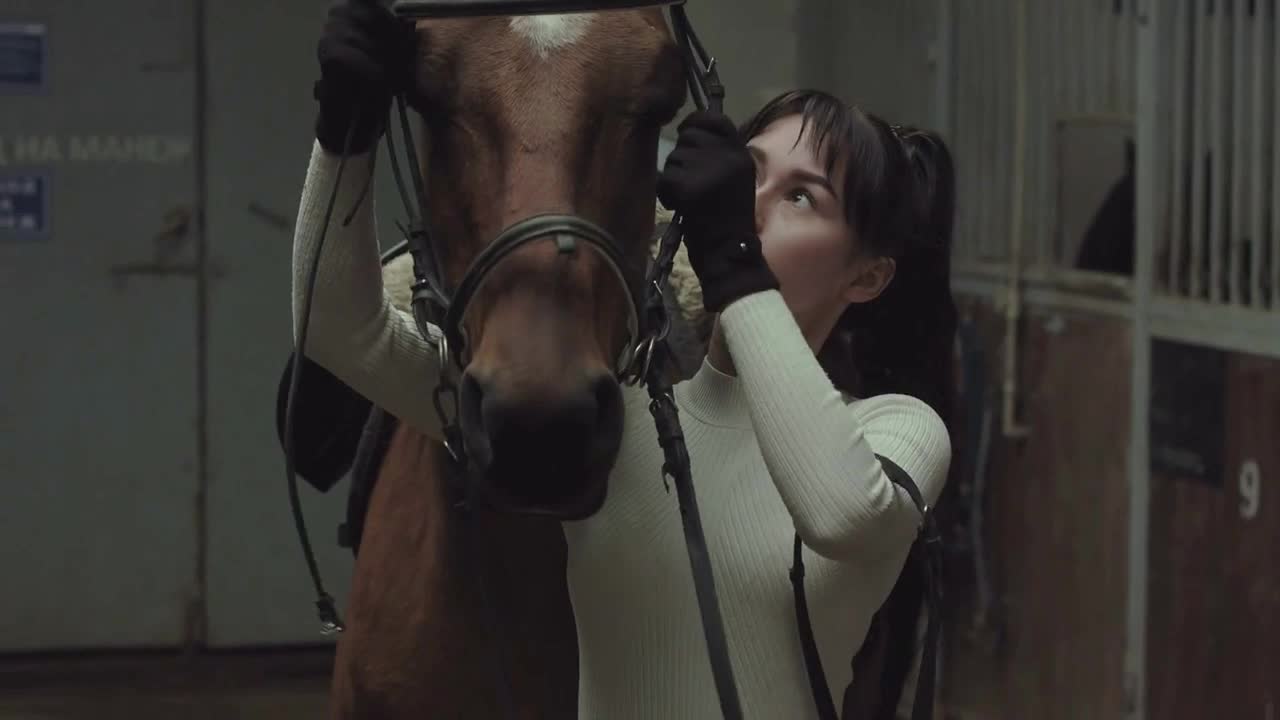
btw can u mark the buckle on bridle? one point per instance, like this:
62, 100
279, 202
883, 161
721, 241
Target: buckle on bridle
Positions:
640, 361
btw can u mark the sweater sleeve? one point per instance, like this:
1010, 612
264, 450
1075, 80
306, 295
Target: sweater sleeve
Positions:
354, 331
820, 450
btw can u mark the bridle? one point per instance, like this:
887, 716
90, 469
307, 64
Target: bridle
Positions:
440, 314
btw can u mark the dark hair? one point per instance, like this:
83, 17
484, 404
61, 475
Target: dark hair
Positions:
899, 193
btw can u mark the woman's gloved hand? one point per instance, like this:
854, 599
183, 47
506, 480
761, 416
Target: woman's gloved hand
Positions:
710, 180
366, 57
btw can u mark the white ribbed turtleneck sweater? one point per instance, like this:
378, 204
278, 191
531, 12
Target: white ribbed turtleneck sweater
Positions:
774, 450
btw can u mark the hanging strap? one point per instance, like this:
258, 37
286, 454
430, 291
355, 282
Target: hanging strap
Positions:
922, 707
812, 663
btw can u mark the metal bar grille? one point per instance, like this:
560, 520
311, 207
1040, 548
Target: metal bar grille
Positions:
1272, 21
1219, 201
983, 134
1224, 239
1198, 111
1219, 83
1259, 173
1239, 143
1079, 64
1183, 61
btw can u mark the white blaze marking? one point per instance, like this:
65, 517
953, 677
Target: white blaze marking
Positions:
551, 32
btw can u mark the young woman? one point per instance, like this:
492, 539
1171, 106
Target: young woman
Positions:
821, 239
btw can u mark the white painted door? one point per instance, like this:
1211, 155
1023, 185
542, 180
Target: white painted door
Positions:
260, 127
99, 407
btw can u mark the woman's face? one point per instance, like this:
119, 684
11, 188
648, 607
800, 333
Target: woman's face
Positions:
801, 222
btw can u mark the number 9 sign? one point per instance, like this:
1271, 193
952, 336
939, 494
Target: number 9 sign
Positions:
1250, 489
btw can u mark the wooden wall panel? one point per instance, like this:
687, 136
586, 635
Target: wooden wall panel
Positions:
1057, 513
1214, 597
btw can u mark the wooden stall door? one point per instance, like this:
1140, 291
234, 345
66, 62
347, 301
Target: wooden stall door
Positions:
1057, 515
1214, 598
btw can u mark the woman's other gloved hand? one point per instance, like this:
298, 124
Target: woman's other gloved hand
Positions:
367, 56
710, 180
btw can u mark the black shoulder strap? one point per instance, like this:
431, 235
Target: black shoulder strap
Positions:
812, 662
922, 707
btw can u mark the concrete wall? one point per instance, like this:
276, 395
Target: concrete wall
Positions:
876, 53
881, 56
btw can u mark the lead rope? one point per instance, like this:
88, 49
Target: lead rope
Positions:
708, 93
330, 621
676, 467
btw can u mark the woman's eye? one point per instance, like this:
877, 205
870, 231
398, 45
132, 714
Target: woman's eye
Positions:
801, 198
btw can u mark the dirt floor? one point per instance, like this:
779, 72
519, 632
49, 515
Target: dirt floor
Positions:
279, 686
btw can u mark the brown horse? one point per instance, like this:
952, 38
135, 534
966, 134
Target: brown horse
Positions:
551, 114
554, 114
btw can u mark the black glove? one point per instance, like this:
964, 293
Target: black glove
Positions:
710, 180
366, 57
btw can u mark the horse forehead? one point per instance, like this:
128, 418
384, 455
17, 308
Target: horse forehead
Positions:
549, 33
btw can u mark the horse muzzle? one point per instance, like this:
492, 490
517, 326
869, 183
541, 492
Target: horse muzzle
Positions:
542, 440
544, 449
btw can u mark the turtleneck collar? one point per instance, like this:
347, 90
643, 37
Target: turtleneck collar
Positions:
714, 397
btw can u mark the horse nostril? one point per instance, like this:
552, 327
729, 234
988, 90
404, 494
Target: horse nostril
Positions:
471, 397
542, 429
608, 396
606, 434
540, 445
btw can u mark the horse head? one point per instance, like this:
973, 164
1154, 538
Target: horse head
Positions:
525, 117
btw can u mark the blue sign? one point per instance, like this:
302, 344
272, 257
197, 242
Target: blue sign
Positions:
24, 206
22, 56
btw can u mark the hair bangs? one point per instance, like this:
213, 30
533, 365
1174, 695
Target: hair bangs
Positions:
836, 131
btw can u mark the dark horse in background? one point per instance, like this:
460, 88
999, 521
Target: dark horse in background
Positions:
526, 115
